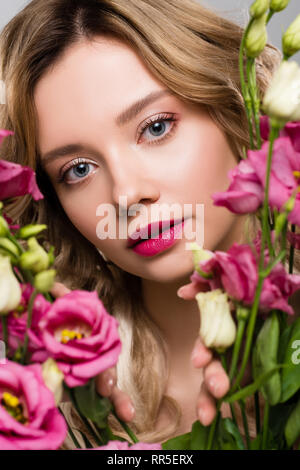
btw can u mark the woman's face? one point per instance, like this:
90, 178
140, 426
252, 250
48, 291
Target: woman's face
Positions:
182, 159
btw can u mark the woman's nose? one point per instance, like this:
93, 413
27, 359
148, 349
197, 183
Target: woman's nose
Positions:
131, 180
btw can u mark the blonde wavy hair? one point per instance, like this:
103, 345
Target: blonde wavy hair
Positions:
193, 52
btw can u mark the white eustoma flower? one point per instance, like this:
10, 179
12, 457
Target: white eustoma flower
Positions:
10, 289
282, 98
217, 328
53, 378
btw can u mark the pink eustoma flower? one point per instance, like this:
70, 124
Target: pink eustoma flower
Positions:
29, 419
236, 272
17, 325
291, 130
283, 180
245, 192
9, 221
247, 181
16, 180
123, 445
81, 336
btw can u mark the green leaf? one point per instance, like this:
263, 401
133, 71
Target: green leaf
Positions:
199, 436
264, 358
228, 436
92, 405
290, 377
181, 442
292, 427
255, 443
284, 341
232, 429
251, 389
277, 419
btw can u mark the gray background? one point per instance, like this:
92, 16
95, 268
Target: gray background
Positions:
236, 10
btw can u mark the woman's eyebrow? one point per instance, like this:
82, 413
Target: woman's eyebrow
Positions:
123, 118
133, 110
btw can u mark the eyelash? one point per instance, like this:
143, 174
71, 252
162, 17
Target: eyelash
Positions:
156, 119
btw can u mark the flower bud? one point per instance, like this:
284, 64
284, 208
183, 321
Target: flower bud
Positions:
53, 378
36, 258
10, 289
291, 38
51, 256
217, 328
282, 98
257, 37
4, 227
30, 230
259, 7
1, 205
8, 248
44, 280
200, 255
280, 223
278, 5
242, 313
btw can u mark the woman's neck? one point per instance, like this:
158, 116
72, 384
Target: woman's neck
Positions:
177, 319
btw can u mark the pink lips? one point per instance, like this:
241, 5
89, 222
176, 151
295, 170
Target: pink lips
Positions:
162, 238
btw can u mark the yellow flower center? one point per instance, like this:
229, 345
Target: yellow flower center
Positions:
296, 173
67, 335
13, 406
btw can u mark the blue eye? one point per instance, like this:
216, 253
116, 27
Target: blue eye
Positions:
156, 126
78, 168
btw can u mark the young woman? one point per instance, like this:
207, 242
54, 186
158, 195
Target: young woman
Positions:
142, 99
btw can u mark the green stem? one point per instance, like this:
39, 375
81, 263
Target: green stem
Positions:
29, 320
257, 412
73, 437
237, 346
223, 359
218, 413
271, 13
265, 227
269, 242
213, 426
245, 422
97, 438
126, 428
255, 102
265, 220
273, 263
283, 237
265, 425
5, 331
244, 86
15, 242
292, 250
250, 332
